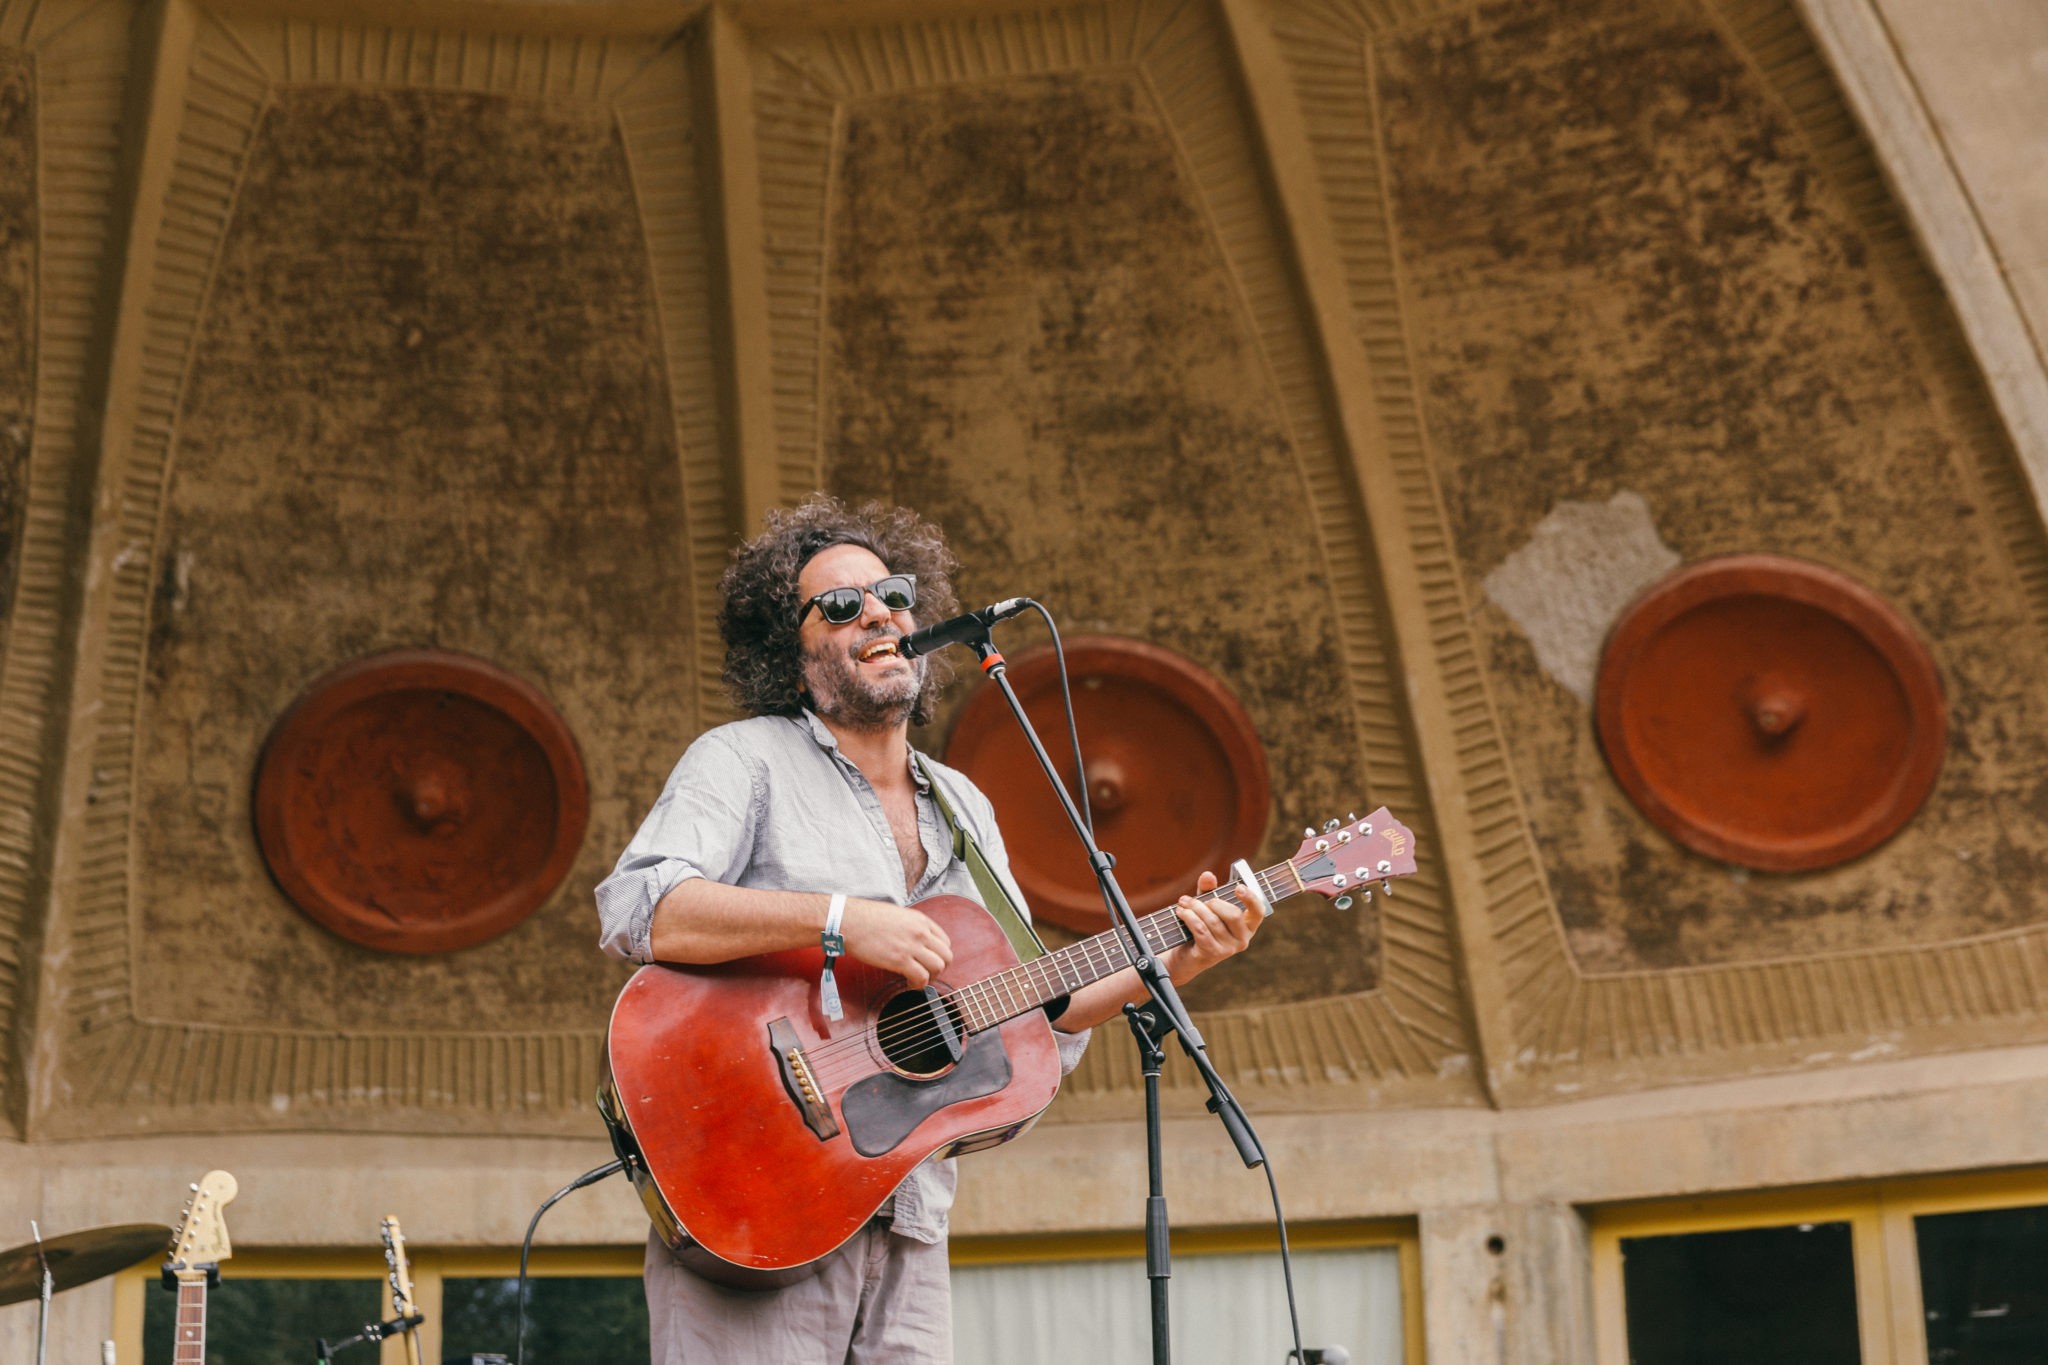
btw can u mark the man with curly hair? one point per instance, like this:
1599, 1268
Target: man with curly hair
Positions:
810, 810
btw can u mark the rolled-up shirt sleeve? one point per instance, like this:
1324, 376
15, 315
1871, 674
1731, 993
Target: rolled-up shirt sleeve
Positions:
703, 825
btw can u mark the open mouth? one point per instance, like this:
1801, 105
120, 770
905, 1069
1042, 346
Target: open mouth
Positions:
879, 651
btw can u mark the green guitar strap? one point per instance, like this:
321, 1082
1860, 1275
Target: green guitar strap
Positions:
993, 894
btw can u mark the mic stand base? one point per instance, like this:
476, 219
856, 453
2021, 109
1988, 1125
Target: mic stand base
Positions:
1158, 1235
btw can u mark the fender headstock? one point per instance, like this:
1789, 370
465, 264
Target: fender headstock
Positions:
201, 1241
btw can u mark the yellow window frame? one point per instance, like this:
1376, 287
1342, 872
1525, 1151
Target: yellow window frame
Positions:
1890, 1314
429, 1268
1348, 1234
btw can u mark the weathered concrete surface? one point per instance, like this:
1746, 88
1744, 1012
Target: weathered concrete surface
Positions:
18, 254
1034, 341
1981, 68
427, 408
1630, 271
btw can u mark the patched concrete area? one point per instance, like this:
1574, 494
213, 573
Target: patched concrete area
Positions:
1582, 564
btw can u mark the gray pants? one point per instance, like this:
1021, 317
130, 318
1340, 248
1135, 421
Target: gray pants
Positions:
879, 1300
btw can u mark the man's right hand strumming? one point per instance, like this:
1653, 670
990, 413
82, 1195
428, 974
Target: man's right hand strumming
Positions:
896, 938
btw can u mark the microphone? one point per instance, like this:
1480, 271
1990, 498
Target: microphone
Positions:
960, 630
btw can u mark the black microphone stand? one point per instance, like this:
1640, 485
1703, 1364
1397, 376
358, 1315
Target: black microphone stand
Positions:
324, 1351
1171, 1016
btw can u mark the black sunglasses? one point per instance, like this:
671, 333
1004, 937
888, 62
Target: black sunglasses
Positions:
897, 592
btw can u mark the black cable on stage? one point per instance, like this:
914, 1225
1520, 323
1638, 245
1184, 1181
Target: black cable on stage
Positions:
587, 1178
1286, 1264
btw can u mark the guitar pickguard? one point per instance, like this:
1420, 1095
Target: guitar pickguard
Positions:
881, 1110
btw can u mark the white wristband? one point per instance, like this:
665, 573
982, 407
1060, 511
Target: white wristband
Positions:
828, 986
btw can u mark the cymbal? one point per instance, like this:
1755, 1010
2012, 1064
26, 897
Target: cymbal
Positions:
78, 1258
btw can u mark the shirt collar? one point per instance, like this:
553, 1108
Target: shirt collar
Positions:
826, 740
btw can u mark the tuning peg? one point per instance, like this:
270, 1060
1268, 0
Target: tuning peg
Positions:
1387, 885
1350, 817
1386, 866
1309, 832
1343, 902
1331, 824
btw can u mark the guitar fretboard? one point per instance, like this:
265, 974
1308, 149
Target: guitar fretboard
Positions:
1029, 985
191, 1344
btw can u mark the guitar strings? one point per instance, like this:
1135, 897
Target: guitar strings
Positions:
920, 1028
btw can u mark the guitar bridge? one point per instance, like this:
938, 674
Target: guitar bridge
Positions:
798, 1081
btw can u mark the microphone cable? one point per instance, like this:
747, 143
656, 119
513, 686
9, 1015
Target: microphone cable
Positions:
1286, 1259
1059, 654
612, 1167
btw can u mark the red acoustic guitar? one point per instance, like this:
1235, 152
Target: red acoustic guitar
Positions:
761, 1135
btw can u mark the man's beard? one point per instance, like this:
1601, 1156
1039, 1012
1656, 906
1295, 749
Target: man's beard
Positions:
840, 694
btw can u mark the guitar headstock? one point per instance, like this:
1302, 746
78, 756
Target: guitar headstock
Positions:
202, 1236
400, 1273
1350, 857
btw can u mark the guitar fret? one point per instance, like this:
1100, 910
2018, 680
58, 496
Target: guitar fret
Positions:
191, 1344
1007, 994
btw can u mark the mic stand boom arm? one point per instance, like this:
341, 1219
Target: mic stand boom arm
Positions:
1158, 984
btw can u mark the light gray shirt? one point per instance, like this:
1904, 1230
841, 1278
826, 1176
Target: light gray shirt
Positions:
771, 803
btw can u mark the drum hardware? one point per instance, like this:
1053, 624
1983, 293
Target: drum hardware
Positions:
38, 1268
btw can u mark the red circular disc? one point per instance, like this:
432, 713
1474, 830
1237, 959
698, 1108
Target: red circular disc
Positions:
420, 801
1175, 770
1770, 712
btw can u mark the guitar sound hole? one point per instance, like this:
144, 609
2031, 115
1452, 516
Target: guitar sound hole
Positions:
919, 1035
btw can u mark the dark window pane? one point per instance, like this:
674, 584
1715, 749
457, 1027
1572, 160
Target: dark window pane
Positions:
255, 1322
581, 1320
1982, 1280
1757, 1296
